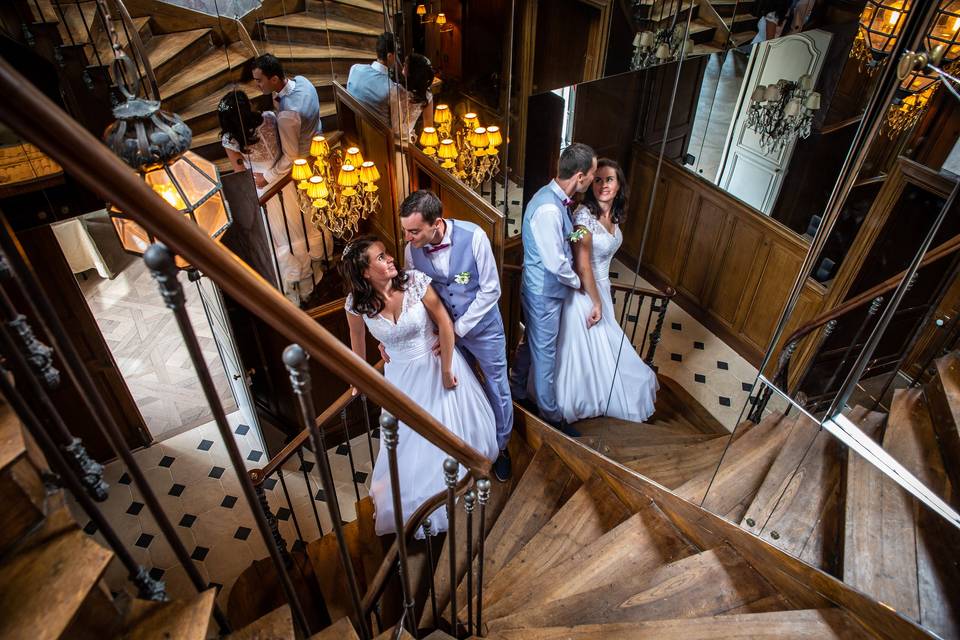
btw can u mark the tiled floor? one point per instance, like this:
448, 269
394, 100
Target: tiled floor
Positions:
200, 492
711, 371
142, 335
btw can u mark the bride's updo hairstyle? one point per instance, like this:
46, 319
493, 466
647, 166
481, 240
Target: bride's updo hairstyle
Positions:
238, 120
366, 300
618, 209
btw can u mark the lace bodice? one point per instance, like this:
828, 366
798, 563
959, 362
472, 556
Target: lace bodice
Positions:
412, 334
263, 153
605, 245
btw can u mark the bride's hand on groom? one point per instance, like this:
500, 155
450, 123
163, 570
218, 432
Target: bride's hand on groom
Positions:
449, 380
383, 353
260, 181
595, 315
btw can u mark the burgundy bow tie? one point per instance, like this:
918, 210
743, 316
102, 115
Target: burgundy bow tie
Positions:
433, 248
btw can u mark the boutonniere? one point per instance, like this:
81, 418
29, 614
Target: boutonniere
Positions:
462, 278
577, 235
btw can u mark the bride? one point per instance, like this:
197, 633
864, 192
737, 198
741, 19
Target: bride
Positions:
252, 141
599, 372
401, 310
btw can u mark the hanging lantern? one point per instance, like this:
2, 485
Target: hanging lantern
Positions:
880, 24
155, 144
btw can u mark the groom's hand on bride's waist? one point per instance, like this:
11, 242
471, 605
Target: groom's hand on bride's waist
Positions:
383, 353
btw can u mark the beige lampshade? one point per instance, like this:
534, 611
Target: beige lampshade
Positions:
772, 93
301, 170
421, 10
369, 172
494, 135
447, 150
441, 19
758, 93
479, 138
470, 120
353, 157
348, 176
317, 188
319, 147
441, 114
429, 138
813, 101
646, 39
663, 51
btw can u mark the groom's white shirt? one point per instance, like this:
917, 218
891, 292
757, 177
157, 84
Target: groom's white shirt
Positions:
547, 227
489, 292
288, 123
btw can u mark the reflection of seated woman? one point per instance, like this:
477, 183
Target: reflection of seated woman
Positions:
252, 140
409, 101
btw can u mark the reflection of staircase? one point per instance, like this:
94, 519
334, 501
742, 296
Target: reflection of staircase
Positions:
714, 24
800, 490
194, 69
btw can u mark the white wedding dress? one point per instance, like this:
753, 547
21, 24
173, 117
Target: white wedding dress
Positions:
416, 371
298, 246
587, 365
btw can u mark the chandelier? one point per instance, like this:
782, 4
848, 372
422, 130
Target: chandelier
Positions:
781, 112
880, 24
336, 189
664, 45
463, 147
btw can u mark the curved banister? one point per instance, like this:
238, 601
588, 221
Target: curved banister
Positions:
277, 461
37, 119
274, 189
379, 582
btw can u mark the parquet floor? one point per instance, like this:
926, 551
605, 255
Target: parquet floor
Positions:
143, 337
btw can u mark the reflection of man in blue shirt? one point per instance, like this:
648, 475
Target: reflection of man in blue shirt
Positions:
370, 83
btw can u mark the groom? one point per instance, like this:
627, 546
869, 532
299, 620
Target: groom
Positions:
458, 258
548, 278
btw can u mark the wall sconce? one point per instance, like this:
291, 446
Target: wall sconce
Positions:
781, 112
665, 45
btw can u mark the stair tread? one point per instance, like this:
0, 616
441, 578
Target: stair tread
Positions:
814, 624
276, 625
943, 394
324, 555
44, 586
211, 136
301, 51
705, 584
308, 20
734, 482
207, 66
615, 428
181, 619
591, 512
520, 456
534, 501
12, 443
676, 467
163, 47
209, 103
369, 5
342, 629
641, 543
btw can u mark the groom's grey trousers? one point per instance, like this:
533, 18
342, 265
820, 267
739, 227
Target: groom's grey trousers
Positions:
486, 346
539, 347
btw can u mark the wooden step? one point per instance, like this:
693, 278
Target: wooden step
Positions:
388, 634
541, 493
606, 427
208, 72
181, 619
734, 482
701, 31
640, 544
21, 485
520, 456
314, 28
810, 624
368, 13
706, 584
342, 629
623, 449
911, 440
174, 53
324, 555
943, 394
44, 586
590, 513
681, 464
276, 625
304, 59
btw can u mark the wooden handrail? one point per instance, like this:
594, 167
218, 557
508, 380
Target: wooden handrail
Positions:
274, 189
888, 285
338, 405
379, 582
616, 286
34, 116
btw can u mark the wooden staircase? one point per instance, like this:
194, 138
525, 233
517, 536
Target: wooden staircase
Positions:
715, 25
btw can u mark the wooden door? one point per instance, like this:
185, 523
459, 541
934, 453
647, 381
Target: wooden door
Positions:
746, 170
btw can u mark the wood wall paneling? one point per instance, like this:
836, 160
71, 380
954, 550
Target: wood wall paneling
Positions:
698, 272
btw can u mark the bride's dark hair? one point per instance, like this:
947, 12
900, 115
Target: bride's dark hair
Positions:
366, 300
238, 120
618, 209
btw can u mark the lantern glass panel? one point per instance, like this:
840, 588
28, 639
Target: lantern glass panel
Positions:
212, 216
196, 176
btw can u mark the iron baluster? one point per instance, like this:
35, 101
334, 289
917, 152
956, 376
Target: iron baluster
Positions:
353, 468
366, 422
13, 266
159, 260
272, 523
658, 328
468, 503
872, 310
293, 514
147, 587
450, 470
313, 498
295, 359
428, 537
388, 429
483, 496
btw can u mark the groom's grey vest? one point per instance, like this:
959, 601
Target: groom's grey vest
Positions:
457, 298
536, 279
303, 99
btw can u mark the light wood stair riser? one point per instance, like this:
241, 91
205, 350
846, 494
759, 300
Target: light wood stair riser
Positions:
180, 619
172, 54
21, 485
211, 73
342, 629
943, 396
365, 13
334, 37
276, 625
